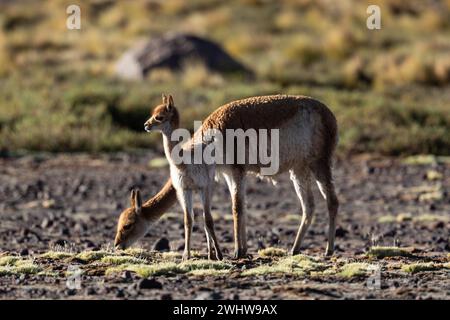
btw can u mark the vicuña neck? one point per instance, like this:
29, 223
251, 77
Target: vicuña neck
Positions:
154, 208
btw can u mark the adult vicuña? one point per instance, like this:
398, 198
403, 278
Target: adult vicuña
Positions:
307, 136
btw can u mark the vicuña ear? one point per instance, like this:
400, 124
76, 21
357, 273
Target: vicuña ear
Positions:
132, 197
137, 202
164, 98
170, 104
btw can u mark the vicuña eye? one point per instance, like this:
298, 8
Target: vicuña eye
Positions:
128, 226
159, 119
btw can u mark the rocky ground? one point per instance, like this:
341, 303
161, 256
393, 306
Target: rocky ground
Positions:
71, 204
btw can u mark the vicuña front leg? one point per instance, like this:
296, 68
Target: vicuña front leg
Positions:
236, 185
302, 185
209, 227
186, 203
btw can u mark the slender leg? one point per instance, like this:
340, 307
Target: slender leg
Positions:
236, 185
326, 187
301, 179
209, 226
185, 197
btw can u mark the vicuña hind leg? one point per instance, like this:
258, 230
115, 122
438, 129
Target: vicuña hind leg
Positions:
325, 182
302, 183
209, 226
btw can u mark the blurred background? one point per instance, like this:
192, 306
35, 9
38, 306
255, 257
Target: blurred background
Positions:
65, 90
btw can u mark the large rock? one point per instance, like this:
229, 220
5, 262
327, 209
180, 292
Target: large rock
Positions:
172, 51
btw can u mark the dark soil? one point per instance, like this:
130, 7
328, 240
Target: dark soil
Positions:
75, 200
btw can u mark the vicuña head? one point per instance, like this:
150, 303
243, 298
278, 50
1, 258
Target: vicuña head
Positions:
132, 225
134, 221
164, 116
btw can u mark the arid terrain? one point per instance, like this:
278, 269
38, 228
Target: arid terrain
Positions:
59, 213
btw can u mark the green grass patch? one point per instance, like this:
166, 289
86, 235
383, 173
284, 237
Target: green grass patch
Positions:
426, 159
354, 269
295, 265
205, 265
20, 267
117, 260
56, 255
272, 252
209, 272
27, 268
171, 256
409, 217
383, 252
420, 267
431, 218
8, 260
147, 270
89, 256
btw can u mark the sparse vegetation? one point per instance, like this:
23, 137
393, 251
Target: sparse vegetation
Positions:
383, 252
117, 260
56, 255
295, 265
90, 256
354, 269
426, 217
12, 265
419, 267
272, 252
169, 264
146, 270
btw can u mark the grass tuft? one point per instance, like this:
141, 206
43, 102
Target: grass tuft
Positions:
272, 252
8, 260
147, 270
296, 265
209, 272
56, 255
205, 265
420, 267
383, 252
89, 256
355, 269
117, 260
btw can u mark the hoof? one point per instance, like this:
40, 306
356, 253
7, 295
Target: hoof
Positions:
219, 255
239, 254
186, 256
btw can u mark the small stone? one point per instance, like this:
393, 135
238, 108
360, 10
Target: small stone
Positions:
166, 296
60, 242
91, 291
71, 292
341, 232
149, 283
126, 275
162, 245
439, 225
24, 252
120, 293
